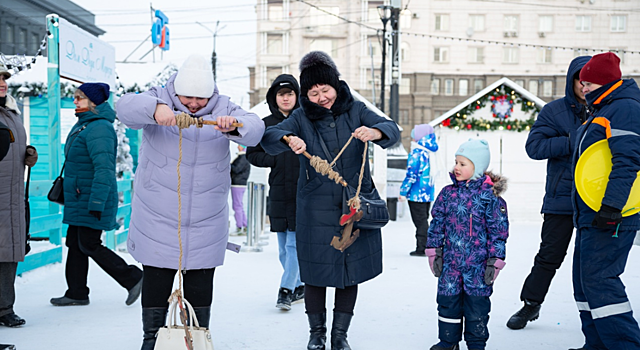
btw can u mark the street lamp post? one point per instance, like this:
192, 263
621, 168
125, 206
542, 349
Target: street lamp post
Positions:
214, 57
385, 15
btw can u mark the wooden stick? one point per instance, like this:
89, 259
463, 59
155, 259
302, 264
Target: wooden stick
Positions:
305, 153
213, 122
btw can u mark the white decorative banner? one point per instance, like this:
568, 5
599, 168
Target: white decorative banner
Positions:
85, 58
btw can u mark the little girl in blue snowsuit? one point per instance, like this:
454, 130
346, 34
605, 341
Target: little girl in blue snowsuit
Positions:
466, 247
418, 183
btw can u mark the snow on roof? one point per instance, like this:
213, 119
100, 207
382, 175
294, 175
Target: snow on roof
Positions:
502, 81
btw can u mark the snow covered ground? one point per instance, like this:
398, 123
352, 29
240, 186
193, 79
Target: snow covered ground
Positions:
397, 310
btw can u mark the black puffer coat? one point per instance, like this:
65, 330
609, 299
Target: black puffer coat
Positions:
320, 199
283, 178
240, 170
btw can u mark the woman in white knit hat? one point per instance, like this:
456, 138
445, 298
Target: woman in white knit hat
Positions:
205, 184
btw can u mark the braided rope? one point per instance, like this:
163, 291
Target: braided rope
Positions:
324, 168
184, 121
178, 292
355, 201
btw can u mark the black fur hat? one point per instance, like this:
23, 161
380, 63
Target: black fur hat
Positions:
317, 67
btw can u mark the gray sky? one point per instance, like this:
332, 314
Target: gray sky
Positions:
128, 22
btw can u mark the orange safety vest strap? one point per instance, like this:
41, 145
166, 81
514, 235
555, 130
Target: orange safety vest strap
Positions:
606, 93
605, 123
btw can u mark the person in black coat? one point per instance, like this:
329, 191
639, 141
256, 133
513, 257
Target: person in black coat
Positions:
240, 170
328, 111
551, 138
282, 99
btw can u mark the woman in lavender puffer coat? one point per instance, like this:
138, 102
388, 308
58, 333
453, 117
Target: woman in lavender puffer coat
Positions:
205, 184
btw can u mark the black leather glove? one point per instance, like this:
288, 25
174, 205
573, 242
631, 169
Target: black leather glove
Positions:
96, 214
607, 217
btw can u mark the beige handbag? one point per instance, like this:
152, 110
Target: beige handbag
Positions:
173, 336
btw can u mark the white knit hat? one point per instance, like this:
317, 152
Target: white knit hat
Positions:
195, 78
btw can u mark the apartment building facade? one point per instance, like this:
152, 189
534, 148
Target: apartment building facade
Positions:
449, 49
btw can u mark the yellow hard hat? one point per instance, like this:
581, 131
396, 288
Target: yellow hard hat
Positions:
592, 175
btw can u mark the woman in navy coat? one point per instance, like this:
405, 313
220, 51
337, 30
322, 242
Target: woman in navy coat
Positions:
329, 111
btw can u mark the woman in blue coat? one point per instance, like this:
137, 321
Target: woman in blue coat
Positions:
328, 110
91, 197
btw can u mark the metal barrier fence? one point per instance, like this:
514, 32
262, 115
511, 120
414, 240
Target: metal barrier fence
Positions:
256, 214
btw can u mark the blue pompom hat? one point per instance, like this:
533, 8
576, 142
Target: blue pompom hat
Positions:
96, 92
477, 151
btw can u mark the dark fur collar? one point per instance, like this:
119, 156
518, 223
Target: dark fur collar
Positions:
343, 103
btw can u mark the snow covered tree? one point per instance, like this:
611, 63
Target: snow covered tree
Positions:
124, 161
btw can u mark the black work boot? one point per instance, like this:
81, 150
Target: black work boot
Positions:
12, 320
529, 312
153, 318
441, 346
339, 330
317, 330
203, 314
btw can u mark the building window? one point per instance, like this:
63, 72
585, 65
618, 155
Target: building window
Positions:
545, 24
442, 23
405, 52
476, 22
373, 16
533, 87
519, 82
323, 22
22, 38
405, 86
8, 34
476, 54
618, 23
275, 10
274, 44
326, 45
544, 55
435, 86
34, 45
272, 74
405, 19
511, 23
547, 88
404, 116
441, 54
373, 43
372, 80
510, 55
463, 87
583, 23
448, 87
478, 85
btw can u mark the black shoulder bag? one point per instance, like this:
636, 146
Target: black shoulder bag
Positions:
375, 212
56, 193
